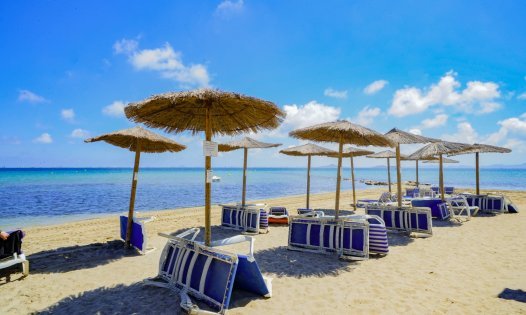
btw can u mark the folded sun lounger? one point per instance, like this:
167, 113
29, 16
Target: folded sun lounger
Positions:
251, 219
412, 220
208, 273
138, 235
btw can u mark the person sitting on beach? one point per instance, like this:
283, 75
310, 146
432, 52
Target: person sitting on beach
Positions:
10, 243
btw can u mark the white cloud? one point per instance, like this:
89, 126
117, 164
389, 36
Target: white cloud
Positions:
465, 134
437, 121
125, 46
375, 87
30, 97
68, 115
229, 6
330, 92
522, 96
309, 114
415, 131
366, 116
115, 109
79, 133
412, 100
164, 60
44, 138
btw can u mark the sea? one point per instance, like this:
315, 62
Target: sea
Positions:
42, 196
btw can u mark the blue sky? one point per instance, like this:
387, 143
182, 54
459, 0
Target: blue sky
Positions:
448, 69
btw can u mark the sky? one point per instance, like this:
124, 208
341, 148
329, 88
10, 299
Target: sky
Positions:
454, 70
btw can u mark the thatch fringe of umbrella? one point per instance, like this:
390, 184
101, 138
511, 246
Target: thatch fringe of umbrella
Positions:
444, 160
342, 132
308, 150
245, 144
212, 111
137, 140
480, 148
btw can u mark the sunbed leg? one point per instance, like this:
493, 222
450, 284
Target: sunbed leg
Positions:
25, 268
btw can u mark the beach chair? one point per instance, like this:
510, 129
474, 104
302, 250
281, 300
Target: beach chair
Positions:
405, 219
386, 198
278, 215
431, 203
208, 273
138, 239
509, 206
444, 211
378, 242
11, 253
304, 210
412, 192
348, 238
426, 193
459, 208
251, 219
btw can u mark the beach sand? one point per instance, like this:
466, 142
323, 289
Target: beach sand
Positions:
80, 268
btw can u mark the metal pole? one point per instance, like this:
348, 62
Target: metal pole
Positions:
243, 198
133, 190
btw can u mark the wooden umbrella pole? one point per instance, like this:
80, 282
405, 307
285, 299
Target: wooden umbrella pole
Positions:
389, 174
338, 179
417, 182
398, 176
208, 181
133, 190
353, 188
245, 153
308, 181
441, 178
477, 170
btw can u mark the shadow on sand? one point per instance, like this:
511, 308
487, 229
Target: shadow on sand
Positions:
71, 258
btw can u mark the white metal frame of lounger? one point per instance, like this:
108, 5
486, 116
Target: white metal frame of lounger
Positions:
16, 259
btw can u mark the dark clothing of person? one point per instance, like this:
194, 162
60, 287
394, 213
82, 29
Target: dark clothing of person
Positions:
13, 244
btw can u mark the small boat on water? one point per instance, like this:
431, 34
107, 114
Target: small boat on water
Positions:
216, 178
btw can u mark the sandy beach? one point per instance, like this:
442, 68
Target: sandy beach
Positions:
81, 268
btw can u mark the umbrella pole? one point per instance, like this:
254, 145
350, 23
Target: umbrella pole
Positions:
244, 176
353, 188
308, 181
133, 190
208, 182
441, 178
389, 174
478, 172
398, 176
417, 182
338, 179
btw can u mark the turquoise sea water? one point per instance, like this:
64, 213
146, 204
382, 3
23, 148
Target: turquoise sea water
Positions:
44, 196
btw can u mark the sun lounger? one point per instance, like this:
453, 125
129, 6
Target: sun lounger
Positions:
11, 253
348, 238
208, 273
412, 192
410, 219
304, 210
431, 203
378, 242
278, 215
250, 219
449, 190
459, 208
444, 210
138, 237
386, 198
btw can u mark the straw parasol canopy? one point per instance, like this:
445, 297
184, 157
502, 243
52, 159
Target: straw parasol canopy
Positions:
245, 144
480, 148
387, 154
403, 137
342, 132
444, 160
212, 111
308, 150
137, 140
352, 152
432, 150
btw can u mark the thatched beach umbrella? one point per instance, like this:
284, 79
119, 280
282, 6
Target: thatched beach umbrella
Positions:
245, 144
308, 150
342, 132
432, 150
138, 140
387, 154
352, 152
481, 148
212, 111
402, 137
